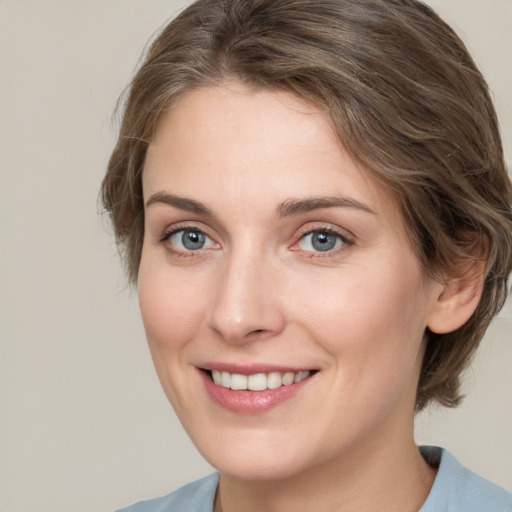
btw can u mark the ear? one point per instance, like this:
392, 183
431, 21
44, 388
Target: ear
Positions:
458, 299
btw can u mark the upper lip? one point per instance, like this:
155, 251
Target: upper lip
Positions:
252, 368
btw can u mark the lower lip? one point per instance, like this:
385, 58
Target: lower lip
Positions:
251, 402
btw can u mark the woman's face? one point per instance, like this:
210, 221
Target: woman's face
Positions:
271, 257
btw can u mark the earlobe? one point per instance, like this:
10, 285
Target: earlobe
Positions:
457, 300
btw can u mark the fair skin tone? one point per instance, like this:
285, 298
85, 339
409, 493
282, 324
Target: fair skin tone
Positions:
268, 249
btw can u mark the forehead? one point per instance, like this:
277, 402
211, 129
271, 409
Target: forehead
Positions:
258, 144
244, 118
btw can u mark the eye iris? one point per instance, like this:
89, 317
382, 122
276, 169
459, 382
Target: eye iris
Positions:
193, 240
323, 241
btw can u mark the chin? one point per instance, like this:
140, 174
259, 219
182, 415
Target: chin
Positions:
257, 457
257, 470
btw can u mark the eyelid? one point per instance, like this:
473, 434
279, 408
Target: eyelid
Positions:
170, 231
182, 226
347, 239
314, 227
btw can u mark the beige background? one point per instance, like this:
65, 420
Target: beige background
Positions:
84, 425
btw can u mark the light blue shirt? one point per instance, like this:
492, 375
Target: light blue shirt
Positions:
455, 489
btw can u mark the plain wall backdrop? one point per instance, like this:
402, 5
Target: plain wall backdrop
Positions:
84, 425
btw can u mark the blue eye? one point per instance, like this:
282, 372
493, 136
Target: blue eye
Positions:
190, 240
320, 241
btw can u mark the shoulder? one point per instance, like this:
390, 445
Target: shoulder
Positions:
457, 489
196, 496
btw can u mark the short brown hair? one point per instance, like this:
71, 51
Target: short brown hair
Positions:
406, 100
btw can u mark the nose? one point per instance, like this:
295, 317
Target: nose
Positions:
247, 305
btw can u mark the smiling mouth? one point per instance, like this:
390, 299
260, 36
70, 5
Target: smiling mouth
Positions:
257, 381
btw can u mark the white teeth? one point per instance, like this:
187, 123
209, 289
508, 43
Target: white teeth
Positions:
288, 378
258, 381
217, 378
274, 380
238, 381
301, 376
225, 379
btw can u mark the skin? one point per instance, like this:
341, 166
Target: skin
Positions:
259, 292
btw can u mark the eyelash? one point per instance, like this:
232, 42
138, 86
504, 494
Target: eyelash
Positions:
346, 242
166, 237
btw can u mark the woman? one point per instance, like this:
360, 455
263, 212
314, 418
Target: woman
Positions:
314, 205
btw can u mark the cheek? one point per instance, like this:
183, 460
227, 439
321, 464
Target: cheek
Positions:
170, 307
171, 313
368, 318
373, 334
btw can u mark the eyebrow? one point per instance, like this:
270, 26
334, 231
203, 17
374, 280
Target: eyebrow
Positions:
300, 206
287, 208
182, 203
